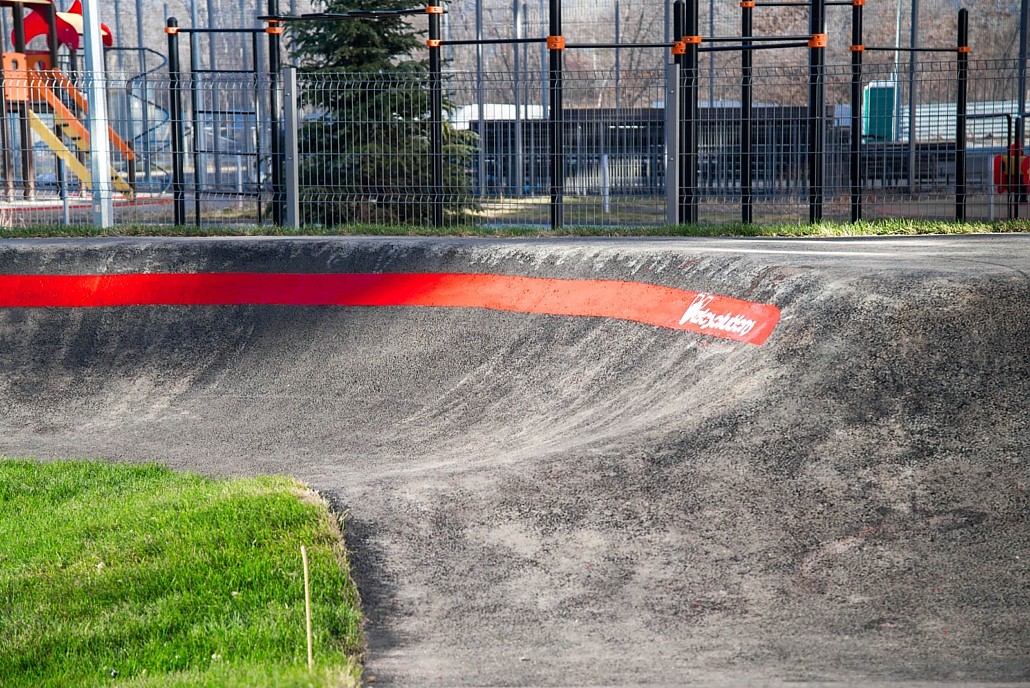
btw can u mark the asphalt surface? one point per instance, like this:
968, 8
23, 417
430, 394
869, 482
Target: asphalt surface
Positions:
546, 500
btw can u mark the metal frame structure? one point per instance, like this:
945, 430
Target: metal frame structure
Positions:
689, 48
275, 105
556, 45
685, 50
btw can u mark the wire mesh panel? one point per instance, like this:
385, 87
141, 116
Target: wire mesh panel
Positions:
139, 109
46, 164
364, 151
908, 149
778, 167
365, 145
614, 156
228, 172
506, 125
991, 134
230, 125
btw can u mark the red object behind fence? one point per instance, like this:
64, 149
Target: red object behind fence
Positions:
1012, 172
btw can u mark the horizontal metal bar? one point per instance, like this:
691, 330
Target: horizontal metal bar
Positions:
202, 31
225, 112
333, 16
913, 50
733, 39
997, 115
224, 71
244, 194
619, 45
829, 3
494, 41
783, 4
221, 151
767, 46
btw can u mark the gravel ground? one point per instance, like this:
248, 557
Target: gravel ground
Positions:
543, 500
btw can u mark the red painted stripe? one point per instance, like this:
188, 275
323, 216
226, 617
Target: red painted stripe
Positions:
718, 316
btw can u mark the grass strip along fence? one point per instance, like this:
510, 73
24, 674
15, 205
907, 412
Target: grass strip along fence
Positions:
821, 229
138, 576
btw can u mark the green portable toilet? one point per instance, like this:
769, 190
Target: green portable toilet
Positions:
878, 111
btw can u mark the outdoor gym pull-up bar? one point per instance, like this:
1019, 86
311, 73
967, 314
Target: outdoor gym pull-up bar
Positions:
686, 53
556, 45
686, 26
682, 154
962, 51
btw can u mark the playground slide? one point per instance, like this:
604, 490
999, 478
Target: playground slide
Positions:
57, 145
58, 78
73, 128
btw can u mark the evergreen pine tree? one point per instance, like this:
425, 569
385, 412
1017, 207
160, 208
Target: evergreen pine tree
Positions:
366, 144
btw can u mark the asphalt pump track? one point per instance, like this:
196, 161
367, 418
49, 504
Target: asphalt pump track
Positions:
583, 462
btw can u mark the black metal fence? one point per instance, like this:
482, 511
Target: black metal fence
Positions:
688, 143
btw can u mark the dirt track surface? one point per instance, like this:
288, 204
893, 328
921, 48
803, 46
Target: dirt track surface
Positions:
545, 500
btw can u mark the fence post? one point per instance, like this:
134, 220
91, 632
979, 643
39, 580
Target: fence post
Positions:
481, 100
672, 143
62, 177
292, 149
1011, 198
816, 108
960, 119
199, 138
99, 143
518, 8
857, 48
690, 139
913, 96
1024, 29
746, 55
274, 30
679, 21
28, 163
556, 45
178, 135
435, 11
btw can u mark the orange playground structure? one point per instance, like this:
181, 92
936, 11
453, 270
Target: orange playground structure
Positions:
46, 104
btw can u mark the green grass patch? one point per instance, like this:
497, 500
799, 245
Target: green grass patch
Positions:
138, 576
892, 227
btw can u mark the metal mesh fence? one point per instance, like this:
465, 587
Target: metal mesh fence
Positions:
364, 150
46, 167
364, 145
614, 171
228, 148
